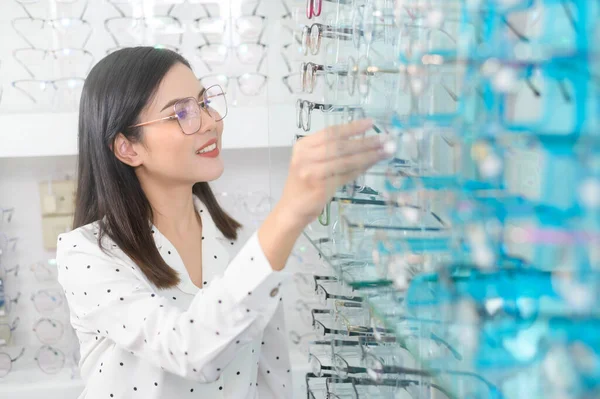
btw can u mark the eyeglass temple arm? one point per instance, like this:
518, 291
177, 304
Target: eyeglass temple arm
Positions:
354, 369
320, 311
117, 8
262, 59
346, 298
325, 278
208, 14
89, 34
205, 62
285, 80
112, 35
18, 356
11, 240
440, 340
255, 10
14, 269
401, 383
174, 116
288, 12
331, 107
15, 52
335, 33
170, 9
16, 299
154, 121
8, 211
21, 35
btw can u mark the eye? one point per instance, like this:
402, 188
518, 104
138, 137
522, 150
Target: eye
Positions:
182, 114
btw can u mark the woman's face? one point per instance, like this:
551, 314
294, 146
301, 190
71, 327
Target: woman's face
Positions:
166, 153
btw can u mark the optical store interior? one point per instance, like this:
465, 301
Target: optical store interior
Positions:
417, 181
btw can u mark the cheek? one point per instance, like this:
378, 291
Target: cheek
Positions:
167, 147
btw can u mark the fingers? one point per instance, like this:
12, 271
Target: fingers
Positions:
339, 132
354, 164
333, 150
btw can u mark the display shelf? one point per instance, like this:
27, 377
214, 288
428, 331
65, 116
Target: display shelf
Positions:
473, 247
449, 365
384, 306
452, 365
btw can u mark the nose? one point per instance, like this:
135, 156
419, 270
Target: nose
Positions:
208, 123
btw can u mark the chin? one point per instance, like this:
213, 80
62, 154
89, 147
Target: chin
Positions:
212, 172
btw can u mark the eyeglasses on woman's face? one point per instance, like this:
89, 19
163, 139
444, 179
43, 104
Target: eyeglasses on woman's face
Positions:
191, 112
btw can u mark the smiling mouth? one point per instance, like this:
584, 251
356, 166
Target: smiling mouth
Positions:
208, 148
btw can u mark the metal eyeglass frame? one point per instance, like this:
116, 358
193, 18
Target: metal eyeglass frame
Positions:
197, 22
5, 272
8, 213
144, 20
72, 81
55, 295
302, 105
228, 51
53, 53
205, 100
313, 34
52, 23
238, 80
6, 241
9, 328
12, 360
307, 279
55, 323
324, 296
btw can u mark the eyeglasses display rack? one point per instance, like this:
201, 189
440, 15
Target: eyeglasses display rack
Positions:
466, 266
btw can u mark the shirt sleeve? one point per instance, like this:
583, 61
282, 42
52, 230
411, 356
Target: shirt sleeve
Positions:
108, 296
274, 367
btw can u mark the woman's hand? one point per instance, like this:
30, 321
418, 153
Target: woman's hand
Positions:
321, 163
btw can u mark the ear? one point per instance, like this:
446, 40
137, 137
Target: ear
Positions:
126, 151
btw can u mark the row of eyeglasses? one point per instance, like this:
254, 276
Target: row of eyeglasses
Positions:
353, 354
57, 61
49, 341
481, 235
407, 51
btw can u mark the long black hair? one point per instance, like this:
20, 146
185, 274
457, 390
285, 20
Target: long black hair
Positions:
108, 191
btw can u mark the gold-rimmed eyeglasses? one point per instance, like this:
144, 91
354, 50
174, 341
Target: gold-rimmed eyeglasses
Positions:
188, 111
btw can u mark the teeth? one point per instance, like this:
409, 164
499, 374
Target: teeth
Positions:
207, 149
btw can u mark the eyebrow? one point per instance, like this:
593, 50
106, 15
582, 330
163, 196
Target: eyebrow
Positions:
172, 102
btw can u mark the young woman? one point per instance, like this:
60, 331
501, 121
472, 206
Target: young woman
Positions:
159, 310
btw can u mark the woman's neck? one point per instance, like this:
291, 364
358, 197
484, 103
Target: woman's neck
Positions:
172, 207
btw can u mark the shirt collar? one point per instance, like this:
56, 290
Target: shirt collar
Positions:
210, 233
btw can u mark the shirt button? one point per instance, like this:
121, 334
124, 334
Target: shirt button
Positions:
274, 292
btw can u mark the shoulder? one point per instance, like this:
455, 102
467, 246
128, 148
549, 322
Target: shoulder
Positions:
83, 264
83, 239
80, 247
82, 235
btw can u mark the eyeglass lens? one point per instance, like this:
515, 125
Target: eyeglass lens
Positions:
189, 114
50, 360
49, 331
5, 364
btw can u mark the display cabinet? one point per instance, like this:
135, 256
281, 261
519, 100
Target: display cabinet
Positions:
466, 266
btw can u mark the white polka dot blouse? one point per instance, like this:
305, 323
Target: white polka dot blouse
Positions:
223, 340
